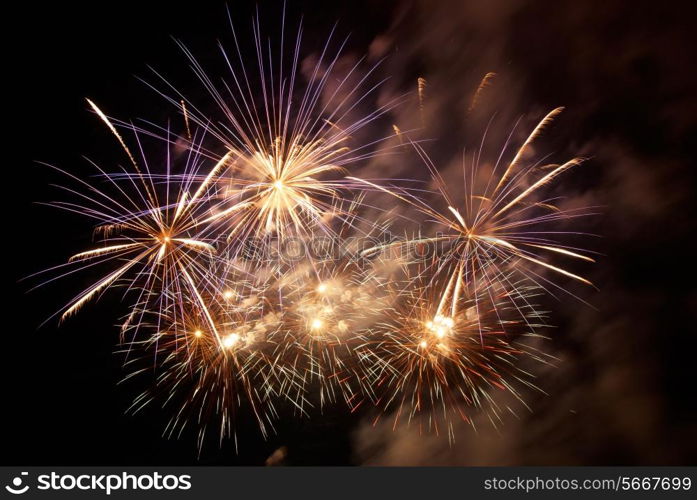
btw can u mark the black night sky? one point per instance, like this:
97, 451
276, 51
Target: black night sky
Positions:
623, 389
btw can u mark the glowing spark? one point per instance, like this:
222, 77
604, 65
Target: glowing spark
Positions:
113, 130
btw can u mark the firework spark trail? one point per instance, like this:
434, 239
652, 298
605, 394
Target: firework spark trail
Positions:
421, 91
483, 85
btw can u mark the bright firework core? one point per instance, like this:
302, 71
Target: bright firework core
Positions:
440, 326
231, 340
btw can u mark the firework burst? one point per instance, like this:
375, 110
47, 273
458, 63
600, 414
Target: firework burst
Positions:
149, 228
502, 222
291, 130
232, 325
433, 364
208, 376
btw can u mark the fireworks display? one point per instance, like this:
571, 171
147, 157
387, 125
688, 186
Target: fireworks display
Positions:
257, 275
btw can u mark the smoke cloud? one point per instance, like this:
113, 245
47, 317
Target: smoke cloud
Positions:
619, 391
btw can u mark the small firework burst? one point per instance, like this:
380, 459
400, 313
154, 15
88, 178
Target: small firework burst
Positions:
326, 306
434, 362
207, 376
